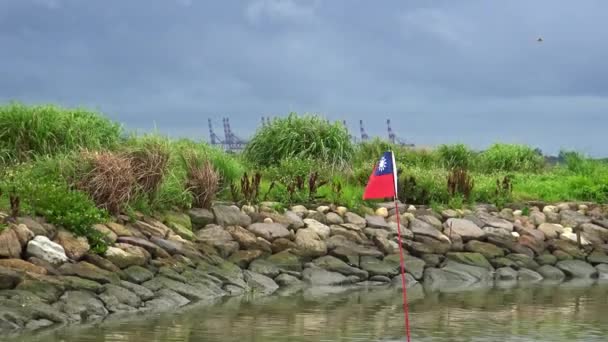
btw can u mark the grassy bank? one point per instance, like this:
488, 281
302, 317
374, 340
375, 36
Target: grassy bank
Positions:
76, 167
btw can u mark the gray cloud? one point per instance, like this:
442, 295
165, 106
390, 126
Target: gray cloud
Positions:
442, 71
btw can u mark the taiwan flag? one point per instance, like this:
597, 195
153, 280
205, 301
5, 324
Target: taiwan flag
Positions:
383, 181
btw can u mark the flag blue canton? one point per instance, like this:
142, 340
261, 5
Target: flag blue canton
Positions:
385, 165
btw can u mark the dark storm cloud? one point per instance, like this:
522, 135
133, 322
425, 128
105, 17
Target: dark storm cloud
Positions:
443, 71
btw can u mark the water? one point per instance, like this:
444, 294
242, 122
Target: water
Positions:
566, 312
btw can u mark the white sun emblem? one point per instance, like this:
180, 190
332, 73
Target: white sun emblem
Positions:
382, 164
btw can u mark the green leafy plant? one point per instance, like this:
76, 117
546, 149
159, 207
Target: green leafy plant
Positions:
511, 157
455, 156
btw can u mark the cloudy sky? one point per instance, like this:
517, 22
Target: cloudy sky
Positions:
443, 71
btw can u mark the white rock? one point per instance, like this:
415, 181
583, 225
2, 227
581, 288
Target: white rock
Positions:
323, 209
248, 209
300, 210
411, 209
515, 234
550, 209
342, 211
383, 212
518, 213
567, 230
268, 220
583, 207
322, 230
43, 248
569, 236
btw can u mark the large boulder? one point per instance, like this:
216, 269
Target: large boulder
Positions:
117, 298
319, 277
341, 247
473, 259
523, 261
43, 248
597, 257
22, 266
334, 264
594, 231
375, 221
200, 217
243, 258
577, 269
230, 216
413, 265
455, 275
551, 272
138, 274
322, 230
376, 267
505, 274
355, 219
247, 239
89, 271
488, 250
260, 284
127, 256
551, 230
10, 246
75, 247
80, 305
571, 218
219, 238
432, 220
353, 235
282, 244
527, 275
286, 261
333, 218
538, 246
269, 231
309, 243
494, 221
464, 228
537, 218
568, 247
419, 227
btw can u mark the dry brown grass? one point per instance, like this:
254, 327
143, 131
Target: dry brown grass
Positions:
149, 166
109, 179
202, 180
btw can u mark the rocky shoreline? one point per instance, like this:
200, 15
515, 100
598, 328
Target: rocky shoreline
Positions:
49, 277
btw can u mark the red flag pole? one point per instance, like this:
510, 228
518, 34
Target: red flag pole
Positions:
402, 259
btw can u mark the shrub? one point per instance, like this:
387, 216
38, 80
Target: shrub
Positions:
29, 131
511, 157
301, 137
149, 158
202, 180
460, 183
53, 199
455, 156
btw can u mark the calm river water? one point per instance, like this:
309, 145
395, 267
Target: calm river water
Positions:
566, 312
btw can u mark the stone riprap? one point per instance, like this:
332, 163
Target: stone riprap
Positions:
49, 277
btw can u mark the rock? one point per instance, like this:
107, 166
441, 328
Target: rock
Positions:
299, 210
89, 271
150, 247
449, 214
177, 218
527, 275
432, 260
597, 257
81, 306
570, 218
286, 280
318, 276
150, 228
374, 266
247, 239
200, 217
419, 227
322, 230
496, 222
561, 255
289, 219
50, 269
523, 261
413, 265
265, 267
384, 245
43, 248
503, 262
550, 209
432, 220
538, 218
230, 216
465, 228
9, 278
341, 211
553, 218
372, 233
286, 261
405, 233
334, 264
333, 218
244, 258
119, 229
507, 214
551, 273
10, 246
121, 295
323, 209
602, 270
309, 243
454, 274
568, 247
511, 245
505, 273
37, 228
22, 266
569, 236
538, 246
351, 235
546, 259
382, 212
488, 250
268, 220
138, 274
355, 219
219, 238
282, 244
602, 222
260, 283
191, 292
143, 293
23, 234
185, 248
577, 269
497, 233
269, 231
127, 256
473, 259
166, 300
435, 246
170, 273
598, 232
317, 216
182, 231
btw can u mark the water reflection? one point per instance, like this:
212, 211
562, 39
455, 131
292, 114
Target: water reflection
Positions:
572, 311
